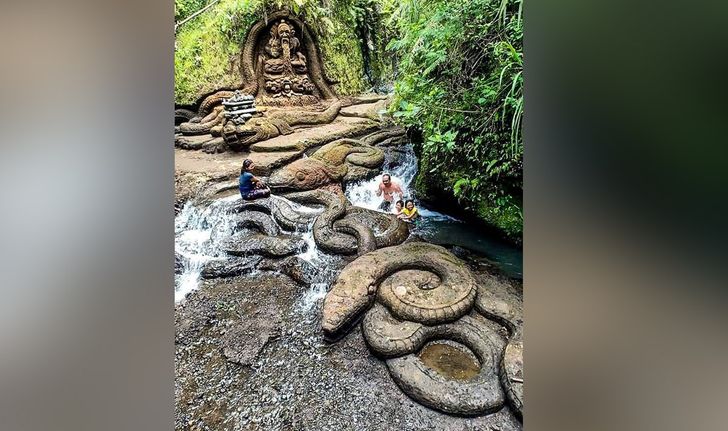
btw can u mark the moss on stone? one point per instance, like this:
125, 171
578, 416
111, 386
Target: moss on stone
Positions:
436, 187
343, 60
207, 48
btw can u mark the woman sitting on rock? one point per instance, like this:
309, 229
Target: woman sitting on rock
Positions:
250, 186
409, 213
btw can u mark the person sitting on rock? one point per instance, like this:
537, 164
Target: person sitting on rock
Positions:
398, 207
250, 186
388, 188
409, 213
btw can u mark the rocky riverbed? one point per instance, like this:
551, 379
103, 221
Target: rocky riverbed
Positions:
250, 355
250, 352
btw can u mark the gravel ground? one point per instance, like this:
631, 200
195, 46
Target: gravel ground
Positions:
250, 356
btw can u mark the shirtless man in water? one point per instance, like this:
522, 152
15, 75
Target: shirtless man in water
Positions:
388, 188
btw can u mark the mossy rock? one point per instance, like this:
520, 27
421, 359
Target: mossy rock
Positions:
207, 48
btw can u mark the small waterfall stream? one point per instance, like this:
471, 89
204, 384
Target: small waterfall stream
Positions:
401, 163
200, 231
197, 235
323, 268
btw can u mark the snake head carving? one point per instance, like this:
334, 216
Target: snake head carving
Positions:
305, 174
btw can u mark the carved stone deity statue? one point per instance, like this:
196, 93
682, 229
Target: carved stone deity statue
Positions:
285, 70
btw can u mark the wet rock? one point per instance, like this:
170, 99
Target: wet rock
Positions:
246, 339
257, 220
179, 263
279, 208
245, 244
299, 270
478, 395
186, 186
356, 287
230, 267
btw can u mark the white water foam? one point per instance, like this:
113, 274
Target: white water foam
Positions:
363, 193
323, 272
198, 232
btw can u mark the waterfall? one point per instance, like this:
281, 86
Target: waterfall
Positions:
401, 164
198, 233
322, 271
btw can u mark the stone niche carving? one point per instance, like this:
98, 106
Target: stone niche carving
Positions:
283, 69
281, 64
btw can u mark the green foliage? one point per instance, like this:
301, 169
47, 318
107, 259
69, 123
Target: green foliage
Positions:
207, 48
457, 67
460, 81
185, 8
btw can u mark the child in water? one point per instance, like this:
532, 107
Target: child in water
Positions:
409, 213
398, 207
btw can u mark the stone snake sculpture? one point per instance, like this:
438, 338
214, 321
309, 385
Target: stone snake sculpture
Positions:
251, 69
262, 236
204, 125
419, 293
357, 286
269, 241
344, 229
275, 122
280, 209
340, 160
182, 115
398, 342
496, 303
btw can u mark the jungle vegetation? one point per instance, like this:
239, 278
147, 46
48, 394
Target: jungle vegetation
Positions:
455, 66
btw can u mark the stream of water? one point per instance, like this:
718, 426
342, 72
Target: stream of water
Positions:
436, 227
200, 231
196, 243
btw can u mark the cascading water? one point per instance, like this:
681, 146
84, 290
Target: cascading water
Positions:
322, 268
401, 163
200, 232
197, 235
